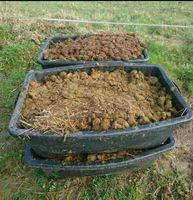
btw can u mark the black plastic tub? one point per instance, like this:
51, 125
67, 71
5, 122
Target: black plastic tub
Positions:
139, 137
55, 63
54, 169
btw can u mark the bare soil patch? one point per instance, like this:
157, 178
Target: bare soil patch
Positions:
184, 148
181, 157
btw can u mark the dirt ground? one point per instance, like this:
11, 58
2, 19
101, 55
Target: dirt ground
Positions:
182, 157
184, 149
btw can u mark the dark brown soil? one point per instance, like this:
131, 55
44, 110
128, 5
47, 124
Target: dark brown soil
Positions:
97, 48
97, 101
99, 157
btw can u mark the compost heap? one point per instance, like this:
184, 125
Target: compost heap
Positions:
99, 100
99, 47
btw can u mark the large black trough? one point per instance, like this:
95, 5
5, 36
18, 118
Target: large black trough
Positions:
139, 137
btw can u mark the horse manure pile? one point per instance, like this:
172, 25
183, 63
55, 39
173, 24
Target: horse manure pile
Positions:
95, 101
99, 47
98, 157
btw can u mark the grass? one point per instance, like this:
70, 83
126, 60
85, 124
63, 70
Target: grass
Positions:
19, 44
150, 184
106, 188
185, 75
112, 11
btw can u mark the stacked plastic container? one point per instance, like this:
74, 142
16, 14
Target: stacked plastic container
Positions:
156, 138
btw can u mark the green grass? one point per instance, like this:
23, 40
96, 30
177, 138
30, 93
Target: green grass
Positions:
106, 188
19, 44
15, 60
167, 186
112, 11
185, 75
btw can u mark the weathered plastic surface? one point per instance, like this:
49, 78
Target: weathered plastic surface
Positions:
55, 169
55, 63
139, 137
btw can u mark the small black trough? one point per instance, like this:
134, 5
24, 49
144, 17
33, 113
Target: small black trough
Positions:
54, 169
55, 63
